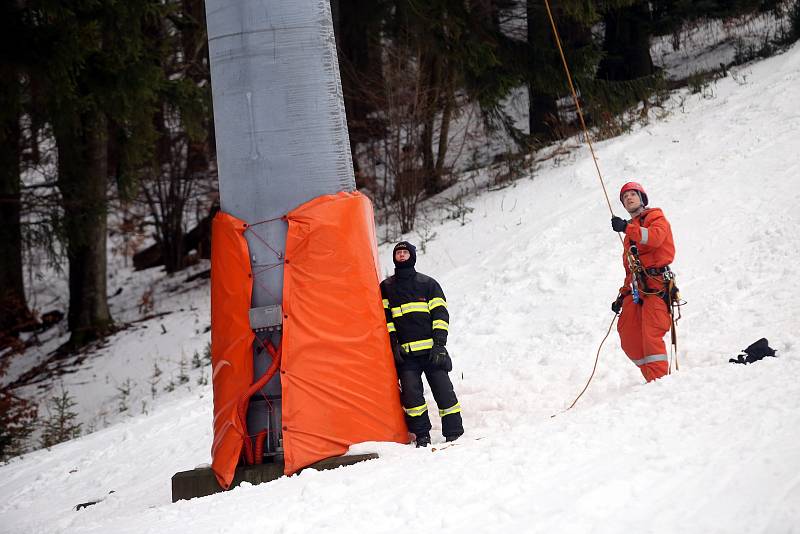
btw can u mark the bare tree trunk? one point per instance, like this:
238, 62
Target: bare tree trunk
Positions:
183, 154
195, 44
627, 44
198, 150
444, 131
172, 234
542, 115
359, 59
542, 105
431, 81
355, 26
82, 177
15, 313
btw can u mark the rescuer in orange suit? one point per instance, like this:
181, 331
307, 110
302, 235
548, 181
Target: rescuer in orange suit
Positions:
643, 301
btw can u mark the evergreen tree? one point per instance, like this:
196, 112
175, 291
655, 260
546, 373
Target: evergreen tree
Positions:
458, 50
794, 21
357, 26
60, 424
17, 418
547, 81
626, 45
101, 78
15, 313
183, 147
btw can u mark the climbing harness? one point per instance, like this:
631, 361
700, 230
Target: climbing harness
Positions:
672, 298
669, 293
635, 266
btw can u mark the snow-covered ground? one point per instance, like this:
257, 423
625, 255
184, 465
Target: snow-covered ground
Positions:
529, 280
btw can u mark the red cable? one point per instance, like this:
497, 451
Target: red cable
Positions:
278, 254
265, 288
258, 384
268, 220
268, 268
260, 447
256, 456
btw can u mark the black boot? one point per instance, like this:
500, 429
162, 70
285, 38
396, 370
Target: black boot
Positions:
423, 441
452, 438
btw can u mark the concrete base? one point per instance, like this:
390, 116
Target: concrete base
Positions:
201, 482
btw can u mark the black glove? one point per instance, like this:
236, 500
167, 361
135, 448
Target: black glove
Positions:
447, 366
399, 354
616, 306
618, 224
439, 358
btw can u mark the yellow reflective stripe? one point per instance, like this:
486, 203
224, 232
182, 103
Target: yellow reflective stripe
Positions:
435, 302
456, 408
416, 411
385, 304
422, 344
440, 324
391, 327
410, 307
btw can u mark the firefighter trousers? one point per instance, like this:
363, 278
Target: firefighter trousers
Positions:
413, 398
641, 330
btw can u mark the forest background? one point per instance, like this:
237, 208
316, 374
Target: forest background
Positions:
106, 124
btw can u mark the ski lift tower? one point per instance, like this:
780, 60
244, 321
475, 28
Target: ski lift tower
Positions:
282, 141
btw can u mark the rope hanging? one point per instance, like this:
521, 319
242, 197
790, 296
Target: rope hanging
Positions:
596, 166
596, 359
577, 103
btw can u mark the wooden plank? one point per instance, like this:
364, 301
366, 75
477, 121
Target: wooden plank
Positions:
201, 481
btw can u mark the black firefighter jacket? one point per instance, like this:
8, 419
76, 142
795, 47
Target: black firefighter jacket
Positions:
416, 310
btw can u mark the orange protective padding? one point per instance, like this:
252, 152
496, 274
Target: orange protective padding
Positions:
337, 374
231, 341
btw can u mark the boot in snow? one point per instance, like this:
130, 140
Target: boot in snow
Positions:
423, 441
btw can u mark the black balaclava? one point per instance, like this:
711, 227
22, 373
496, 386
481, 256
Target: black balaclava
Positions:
411, 261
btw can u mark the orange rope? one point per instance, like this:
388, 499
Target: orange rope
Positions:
596, 166
577, 103
596, 359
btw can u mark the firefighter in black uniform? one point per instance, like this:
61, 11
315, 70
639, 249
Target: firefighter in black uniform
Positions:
417, 319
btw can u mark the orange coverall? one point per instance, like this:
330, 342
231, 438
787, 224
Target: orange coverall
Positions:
642, 326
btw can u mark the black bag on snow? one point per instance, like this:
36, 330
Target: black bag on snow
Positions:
758, 350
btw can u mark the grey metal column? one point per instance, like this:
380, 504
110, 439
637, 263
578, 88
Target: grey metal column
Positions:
281, 140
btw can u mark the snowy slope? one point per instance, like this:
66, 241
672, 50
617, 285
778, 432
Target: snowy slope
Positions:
529, 281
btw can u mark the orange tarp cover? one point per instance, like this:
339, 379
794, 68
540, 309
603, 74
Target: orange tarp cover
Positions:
337, 373
231, 340
338, 380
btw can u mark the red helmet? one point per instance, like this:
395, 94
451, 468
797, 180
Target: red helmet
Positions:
633, 186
